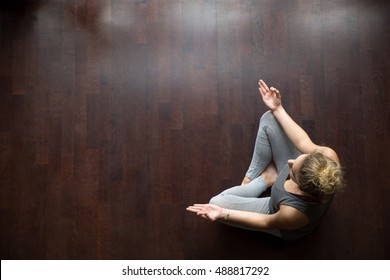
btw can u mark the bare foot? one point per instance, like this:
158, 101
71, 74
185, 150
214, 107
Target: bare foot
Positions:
245, 181
270, 174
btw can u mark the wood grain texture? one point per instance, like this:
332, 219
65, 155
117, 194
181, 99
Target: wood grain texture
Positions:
116, 115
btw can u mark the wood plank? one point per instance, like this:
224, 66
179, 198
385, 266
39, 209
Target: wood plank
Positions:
116, 115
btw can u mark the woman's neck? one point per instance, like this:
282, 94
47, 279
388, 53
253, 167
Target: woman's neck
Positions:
293, 187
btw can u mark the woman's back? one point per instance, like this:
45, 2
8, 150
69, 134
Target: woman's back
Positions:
313, 208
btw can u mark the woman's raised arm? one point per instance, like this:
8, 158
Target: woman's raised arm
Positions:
299, 138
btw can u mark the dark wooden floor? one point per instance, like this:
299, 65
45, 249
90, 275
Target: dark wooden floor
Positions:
115, 115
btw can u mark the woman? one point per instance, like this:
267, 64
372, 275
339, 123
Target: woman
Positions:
303, 176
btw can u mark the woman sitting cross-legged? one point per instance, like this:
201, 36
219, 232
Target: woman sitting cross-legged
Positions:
302, 175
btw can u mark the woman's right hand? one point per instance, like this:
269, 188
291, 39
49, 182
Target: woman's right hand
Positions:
207, 211
271, 96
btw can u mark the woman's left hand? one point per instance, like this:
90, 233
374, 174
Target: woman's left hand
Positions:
271, 96
210, 212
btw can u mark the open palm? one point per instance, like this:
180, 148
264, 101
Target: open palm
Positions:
208, 211
271, 96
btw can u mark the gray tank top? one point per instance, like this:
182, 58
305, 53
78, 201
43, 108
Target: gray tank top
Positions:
314, 210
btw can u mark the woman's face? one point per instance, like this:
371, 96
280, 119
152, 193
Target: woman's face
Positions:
295, 165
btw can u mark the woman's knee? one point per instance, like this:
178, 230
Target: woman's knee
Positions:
220, 200
215, 200
267, 116
270, 125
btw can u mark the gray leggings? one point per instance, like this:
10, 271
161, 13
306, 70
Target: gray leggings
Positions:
272, 145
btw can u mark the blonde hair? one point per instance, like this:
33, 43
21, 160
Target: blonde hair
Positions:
320, 176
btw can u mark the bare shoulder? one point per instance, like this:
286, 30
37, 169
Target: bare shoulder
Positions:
329, 152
